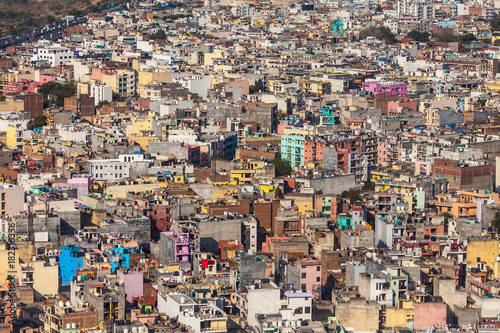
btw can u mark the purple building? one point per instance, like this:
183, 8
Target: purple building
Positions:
134, 283
385, 87
82, 184
174, 247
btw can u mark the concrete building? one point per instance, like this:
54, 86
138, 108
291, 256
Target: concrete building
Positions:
54, 55
42, 276
197, 317
174, 247
116, 169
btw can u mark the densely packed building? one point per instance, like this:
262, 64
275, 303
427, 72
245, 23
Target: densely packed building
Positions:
259, 166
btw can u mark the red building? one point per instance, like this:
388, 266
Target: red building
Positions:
161, 219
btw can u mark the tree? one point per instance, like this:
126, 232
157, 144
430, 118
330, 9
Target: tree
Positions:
497, 42
37, 122
382, 33
447, 215
495, 24
56, 92
447, 38
496, 221
160, 34
369, 186
258, 86
353, 194
419, 36
101, 103
467, 38
281, 167
378, 9
116, 96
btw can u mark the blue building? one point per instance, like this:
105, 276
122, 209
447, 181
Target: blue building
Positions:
70, 259
120, 256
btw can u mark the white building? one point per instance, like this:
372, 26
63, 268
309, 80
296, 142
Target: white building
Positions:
56, 56
115, 169
101, 93
198, 317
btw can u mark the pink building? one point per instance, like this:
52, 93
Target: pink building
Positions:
134, 283
21, 86
429, 314
384, 87
81, 182
423, 168
310, 276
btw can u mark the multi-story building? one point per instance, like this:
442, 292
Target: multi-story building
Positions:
54, 55
174, 247
121, 81
118, 168
57, 317
206, 317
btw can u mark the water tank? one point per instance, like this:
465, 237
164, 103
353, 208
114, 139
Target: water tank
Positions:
280, 323
68, 304
78, 278
125, 330
292, 323
141, 329
134, 329
73, 325
68, 326
275, 324
183, 300
287, 323
61, 304
299, 323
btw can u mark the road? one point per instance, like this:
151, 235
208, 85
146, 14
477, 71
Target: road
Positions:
51, 32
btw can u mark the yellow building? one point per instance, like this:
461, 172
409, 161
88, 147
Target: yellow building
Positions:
207, 60
153, 77
142, 125
400, 317
11, 136
122, 82
42, 276
9, 261
12, 104
485, 250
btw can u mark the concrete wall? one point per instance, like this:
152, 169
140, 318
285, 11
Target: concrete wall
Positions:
211, 232
429, 314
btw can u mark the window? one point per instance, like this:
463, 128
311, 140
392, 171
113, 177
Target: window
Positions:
318, 268
304, 275
303, 286
307, 309
4, 196
318, 279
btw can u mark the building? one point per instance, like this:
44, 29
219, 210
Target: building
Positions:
100, 93
70, 260
197, 317
42, 276
61, 316
55, 56
116, 169
465, 175
174, 247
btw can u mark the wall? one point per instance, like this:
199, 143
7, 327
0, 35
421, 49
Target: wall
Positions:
429, 314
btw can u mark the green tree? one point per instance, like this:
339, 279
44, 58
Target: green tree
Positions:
116, 96
101, 103
467, 38
419, 36
369, 186
378, 9
447, 38
382, 33
353, 194
447, 215
56, 92
258, 86
37, 122
160, 34
495, 24
495, 222
281, 167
